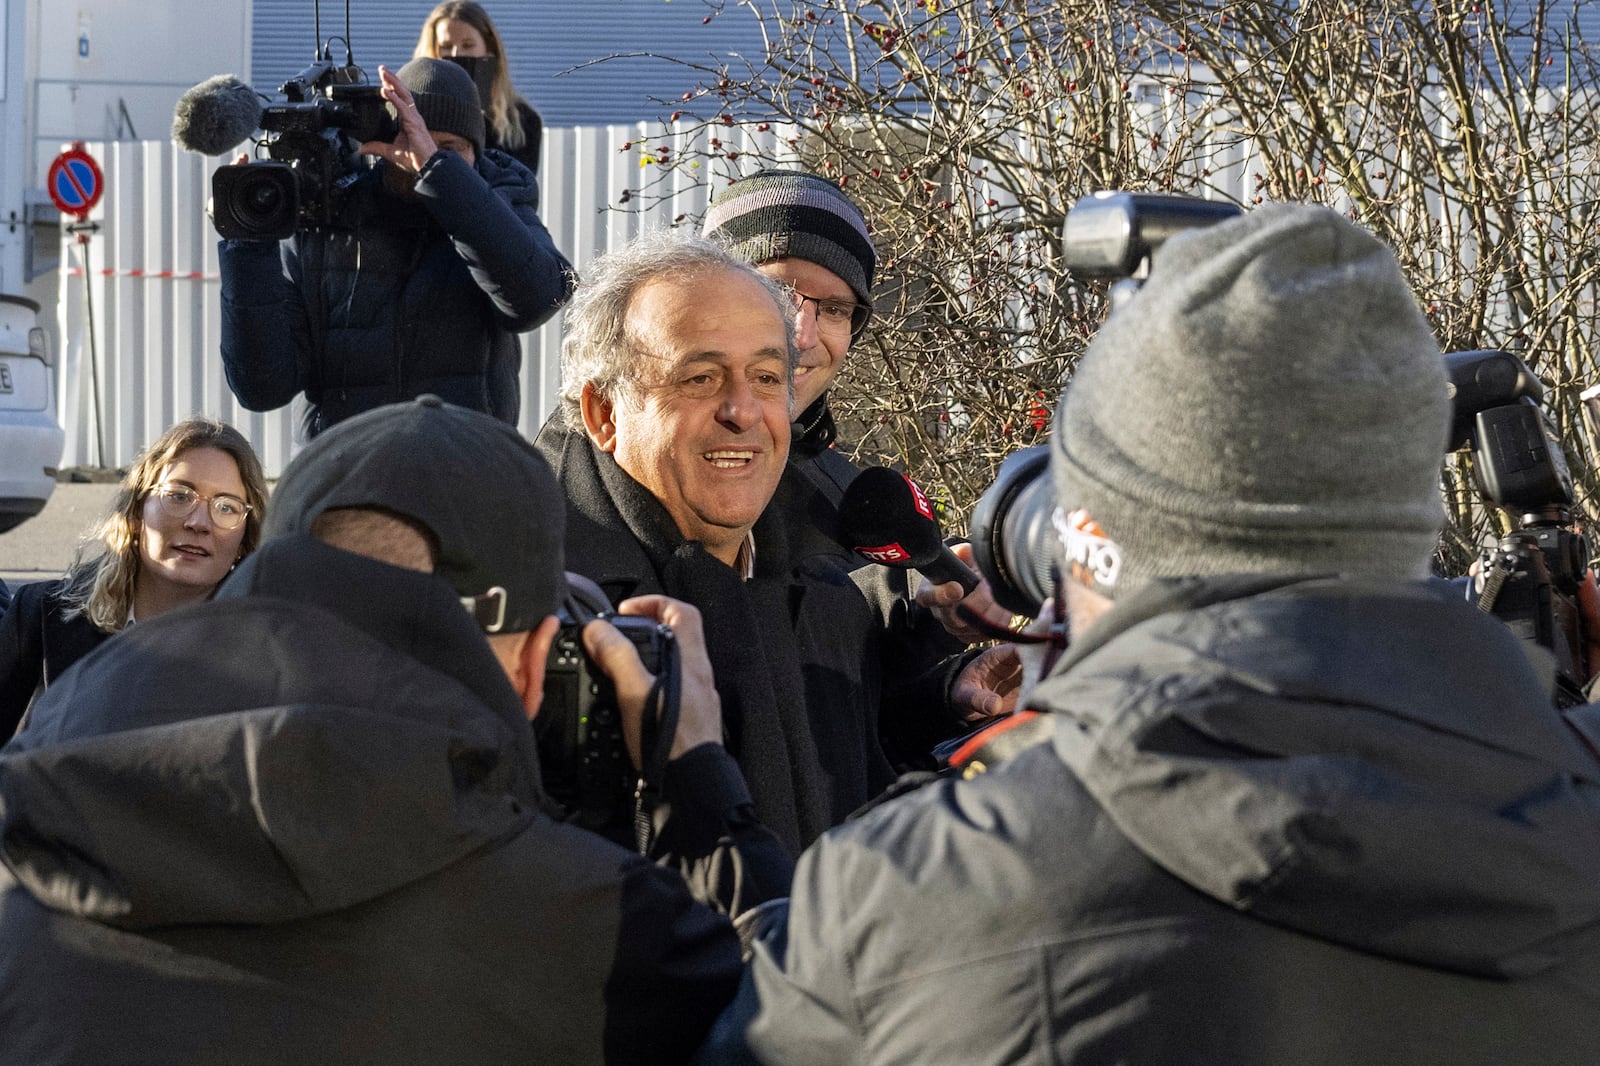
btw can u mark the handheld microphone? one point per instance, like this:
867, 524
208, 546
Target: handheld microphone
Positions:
216, 115
885, 518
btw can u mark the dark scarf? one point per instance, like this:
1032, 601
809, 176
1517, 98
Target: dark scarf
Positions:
808, 762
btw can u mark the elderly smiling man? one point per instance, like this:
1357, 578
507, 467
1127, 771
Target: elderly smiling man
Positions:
672, 441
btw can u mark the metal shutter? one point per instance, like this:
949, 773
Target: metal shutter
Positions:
543, 37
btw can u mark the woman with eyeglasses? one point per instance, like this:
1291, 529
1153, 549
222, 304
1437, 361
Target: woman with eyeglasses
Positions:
188, 510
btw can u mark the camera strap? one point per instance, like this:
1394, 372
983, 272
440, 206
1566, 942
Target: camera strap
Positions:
1493, 574
657, 729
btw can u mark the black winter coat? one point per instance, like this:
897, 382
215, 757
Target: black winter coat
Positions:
1316, 822
37, 644
532, 137
300, 824
795, 649
400, 299
921, 660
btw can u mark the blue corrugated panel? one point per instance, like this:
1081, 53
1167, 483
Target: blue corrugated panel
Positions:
557, 48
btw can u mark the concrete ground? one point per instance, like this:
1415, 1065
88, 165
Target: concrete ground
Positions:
42, 546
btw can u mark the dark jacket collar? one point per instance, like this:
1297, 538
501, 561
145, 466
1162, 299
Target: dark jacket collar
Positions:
814, 431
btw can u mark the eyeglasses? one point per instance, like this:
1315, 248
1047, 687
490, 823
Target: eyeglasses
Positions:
833, 316
179, 501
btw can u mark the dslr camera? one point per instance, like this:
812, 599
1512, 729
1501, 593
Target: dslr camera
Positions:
1107, 235
328, 112
582, 757
1530, 578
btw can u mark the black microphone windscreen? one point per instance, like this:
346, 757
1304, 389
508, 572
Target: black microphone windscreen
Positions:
886, 518
216, 115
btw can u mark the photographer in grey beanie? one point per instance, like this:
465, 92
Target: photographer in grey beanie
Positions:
1284, 802
1272, 401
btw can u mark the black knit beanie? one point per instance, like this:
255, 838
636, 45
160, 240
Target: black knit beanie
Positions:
779, 214
446, 98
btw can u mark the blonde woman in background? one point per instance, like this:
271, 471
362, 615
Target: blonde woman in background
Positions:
462, 32
187, 511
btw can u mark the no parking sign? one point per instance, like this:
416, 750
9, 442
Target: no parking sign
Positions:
75, 182
75, 185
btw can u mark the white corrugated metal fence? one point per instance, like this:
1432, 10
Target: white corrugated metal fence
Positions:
152, 271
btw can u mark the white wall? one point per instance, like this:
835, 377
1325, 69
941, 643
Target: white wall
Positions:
143, 54
13, 42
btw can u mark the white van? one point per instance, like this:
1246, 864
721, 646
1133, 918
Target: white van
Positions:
30, 437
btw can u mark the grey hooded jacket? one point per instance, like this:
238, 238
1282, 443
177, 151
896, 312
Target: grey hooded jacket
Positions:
1309, 822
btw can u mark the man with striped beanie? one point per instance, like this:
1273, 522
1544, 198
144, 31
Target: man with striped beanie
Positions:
802, 230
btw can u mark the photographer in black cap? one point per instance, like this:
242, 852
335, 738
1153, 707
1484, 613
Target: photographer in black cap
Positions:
1288, 801
303, 822
436, 262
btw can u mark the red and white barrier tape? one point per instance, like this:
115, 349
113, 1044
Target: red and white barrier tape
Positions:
173, 275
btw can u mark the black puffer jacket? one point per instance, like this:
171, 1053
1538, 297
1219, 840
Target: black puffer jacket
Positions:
399, 299
300, 824
1314, 822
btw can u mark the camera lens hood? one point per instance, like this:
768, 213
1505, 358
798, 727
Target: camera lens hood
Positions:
1005, 531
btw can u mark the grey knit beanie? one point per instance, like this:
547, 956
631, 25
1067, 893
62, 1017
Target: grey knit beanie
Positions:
777, 214
446, 97
1272, 401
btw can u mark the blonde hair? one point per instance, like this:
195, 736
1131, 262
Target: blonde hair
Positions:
501, 107
102, 589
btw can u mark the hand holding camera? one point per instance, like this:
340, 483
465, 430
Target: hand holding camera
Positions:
700, 717
413, 145
625, 693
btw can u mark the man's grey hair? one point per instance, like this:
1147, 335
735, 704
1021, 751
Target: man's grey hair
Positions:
598, 348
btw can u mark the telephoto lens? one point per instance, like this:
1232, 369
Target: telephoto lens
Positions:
1012, 533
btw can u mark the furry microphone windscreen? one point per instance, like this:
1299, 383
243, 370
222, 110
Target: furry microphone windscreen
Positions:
216, 115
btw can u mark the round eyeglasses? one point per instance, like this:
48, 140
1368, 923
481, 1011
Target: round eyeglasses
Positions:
835, 316
179, 501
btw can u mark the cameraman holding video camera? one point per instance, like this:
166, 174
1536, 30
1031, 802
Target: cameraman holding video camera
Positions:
435, 261
1287, 800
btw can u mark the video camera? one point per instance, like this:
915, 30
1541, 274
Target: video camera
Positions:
582, 757
1530, 578
312, 139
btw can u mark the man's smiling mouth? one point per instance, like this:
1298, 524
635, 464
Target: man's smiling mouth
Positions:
730, 458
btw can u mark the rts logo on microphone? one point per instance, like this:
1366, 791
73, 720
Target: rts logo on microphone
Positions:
888, 553
924, 508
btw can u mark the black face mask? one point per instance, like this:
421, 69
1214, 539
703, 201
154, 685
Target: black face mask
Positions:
483, 69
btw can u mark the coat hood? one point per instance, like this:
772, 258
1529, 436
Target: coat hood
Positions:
1375, 766
260, 758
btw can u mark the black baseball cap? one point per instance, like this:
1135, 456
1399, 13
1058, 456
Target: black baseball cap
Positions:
496, 513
